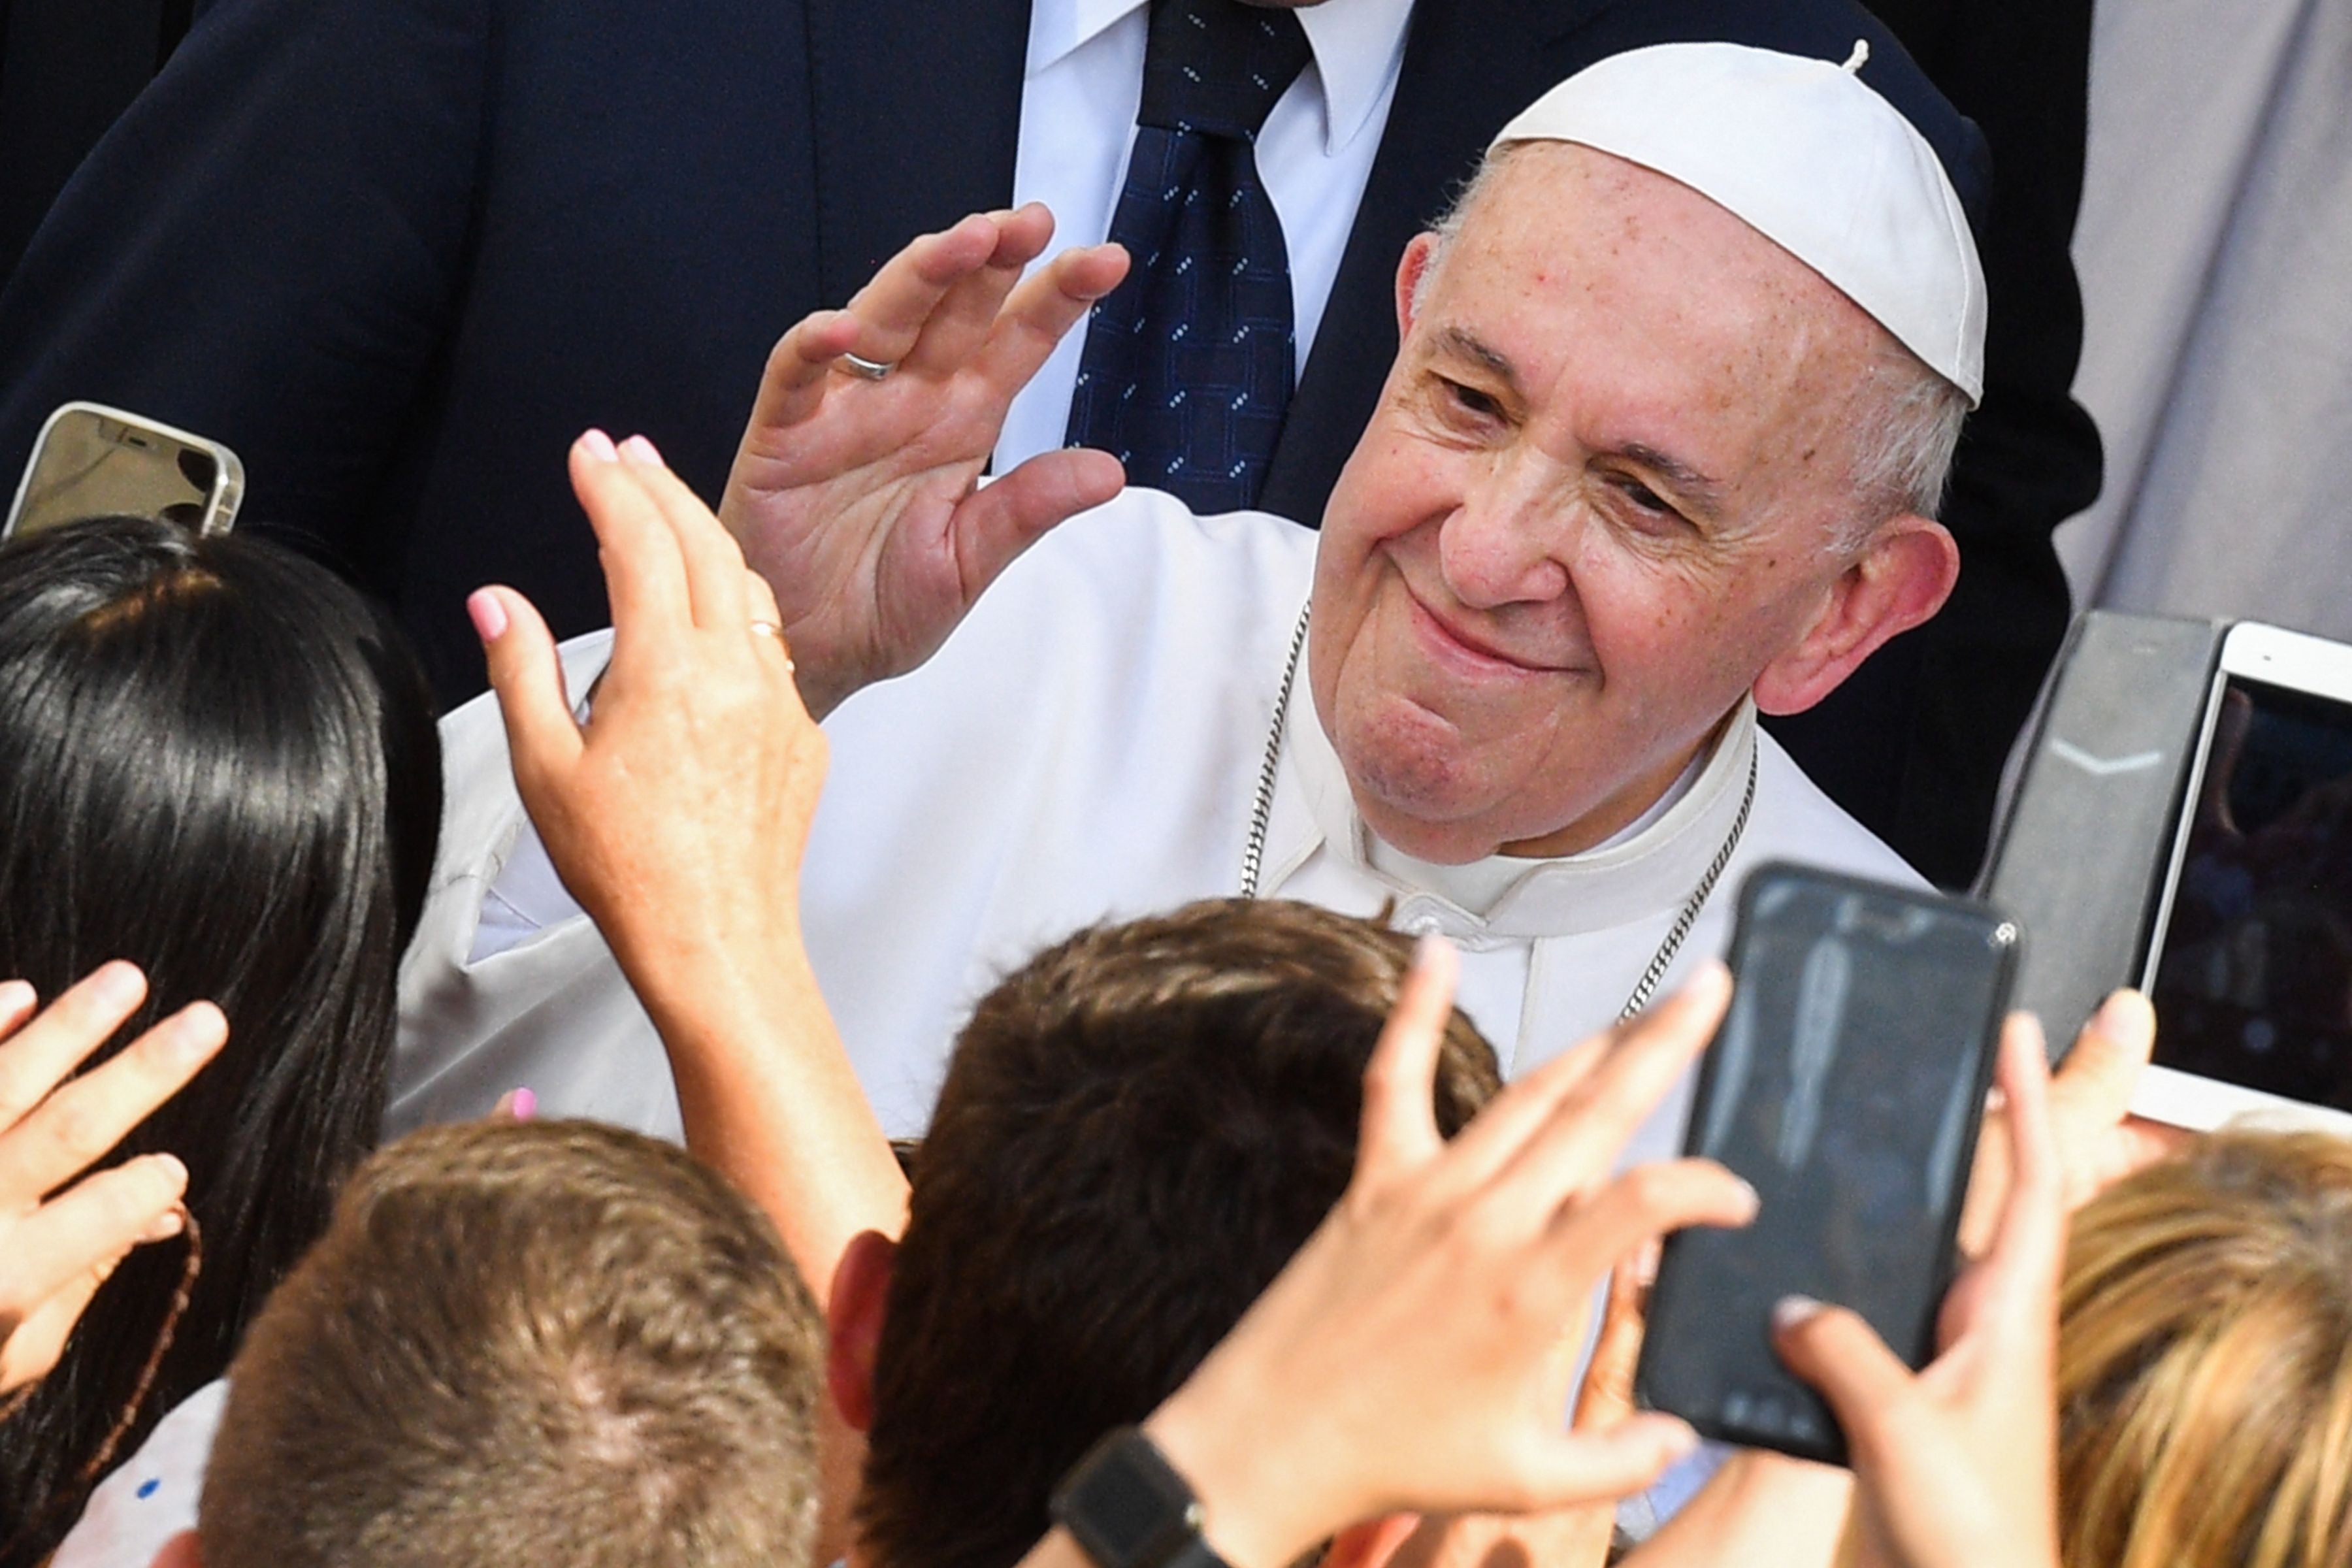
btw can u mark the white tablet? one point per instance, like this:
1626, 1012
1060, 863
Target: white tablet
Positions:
2249, 963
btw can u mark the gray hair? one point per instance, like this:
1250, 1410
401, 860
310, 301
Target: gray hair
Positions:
1904, 418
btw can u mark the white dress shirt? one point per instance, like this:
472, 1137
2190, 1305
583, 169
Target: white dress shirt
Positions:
1083, 86
151, 1496
1087, 746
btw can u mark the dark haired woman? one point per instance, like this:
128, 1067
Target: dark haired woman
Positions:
217, 762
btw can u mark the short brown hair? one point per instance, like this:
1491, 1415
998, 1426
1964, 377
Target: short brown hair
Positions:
2205, 1362
1137, 1131
551, 1341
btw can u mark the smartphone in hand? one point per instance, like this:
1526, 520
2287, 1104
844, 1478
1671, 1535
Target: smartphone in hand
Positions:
1847, 1085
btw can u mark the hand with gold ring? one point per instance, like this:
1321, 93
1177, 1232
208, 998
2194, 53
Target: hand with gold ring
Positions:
856, 489
678, 816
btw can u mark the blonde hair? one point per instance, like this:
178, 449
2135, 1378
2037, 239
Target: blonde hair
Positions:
2205, 1362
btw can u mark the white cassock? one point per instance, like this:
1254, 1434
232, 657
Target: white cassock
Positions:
1087, 746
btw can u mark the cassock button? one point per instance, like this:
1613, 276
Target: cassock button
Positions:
1418, 917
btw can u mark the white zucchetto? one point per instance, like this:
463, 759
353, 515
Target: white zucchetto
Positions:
1808, 155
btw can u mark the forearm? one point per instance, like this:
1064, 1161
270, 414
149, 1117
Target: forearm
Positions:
767, 1096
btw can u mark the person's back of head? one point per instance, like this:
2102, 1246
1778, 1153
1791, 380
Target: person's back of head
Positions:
218, 762
2205, 1362
526, 1343
1137, 1131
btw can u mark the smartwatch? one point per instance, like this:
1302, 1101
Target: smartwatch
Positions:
1125, 1507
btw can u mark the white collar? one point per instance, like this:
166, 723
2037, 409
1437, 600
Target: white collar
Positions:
1359, 47
1633, 876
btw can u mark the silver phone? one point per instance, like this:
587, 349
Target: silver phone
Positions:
2249, 963
95, 461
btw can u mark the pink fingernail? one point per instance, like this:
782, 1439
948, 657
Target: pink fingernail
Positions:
488, 614
526, 1105
489, 617
639, 450
600, 446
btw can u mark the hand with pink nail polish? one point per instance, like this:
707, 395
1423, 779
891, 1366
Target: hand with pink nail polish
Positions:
677, 815
857, 496
54, 1251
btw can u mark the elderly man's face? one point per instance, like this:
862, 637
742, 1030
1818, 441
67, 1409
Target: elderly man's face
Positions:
1598, 502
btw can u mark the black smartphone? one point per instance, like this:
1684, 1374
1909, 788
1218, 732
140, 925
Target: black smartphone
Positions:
1846, 1085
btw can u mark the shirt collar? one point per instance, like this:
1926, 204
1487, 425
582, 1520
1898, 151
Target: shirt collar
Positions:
1359, 47
1057, 28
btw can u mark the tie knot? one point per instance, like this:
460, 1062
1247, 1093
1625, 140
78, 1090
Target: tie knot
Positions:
1217, 66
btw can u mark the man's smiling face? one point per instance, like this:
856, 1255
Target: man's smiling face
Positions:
1603, 497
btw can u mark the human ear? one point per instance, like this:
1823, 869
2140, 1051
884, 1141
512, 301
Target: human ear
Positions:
180, 1552
1902, 578
861, 1292
1419, 257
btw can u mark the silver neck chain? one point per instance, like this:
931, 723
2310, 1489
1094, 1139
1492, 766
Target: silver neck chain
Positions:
1261, 816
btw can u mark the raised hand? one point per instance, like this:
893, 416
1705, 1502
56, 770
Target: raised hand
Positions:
1409, 1358
859, 499
677, 815
1956, 1466
2099, 1141
1580, 1535
54, 1251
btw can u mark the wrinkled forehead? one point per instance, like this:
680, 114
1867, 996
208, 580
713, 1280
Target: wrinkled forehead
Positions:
1597, 278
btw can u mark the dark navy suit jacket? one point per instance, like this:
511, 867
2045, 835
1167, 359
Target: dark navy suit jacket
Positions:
399, 253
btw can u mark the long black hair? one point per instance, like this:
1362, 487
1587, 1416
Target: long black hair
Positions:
219, 762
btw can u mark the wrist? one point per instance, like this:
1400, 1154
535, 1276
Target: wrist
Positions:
1253, 1514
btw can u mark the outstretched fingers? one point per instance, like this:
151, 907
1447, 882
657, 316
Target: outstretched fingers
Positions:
717, 582
91, 1224
1586, 1128
1592, 1465
892, 310
1400, 1119
2022, 1269
1646, 1202
1042, 310
542, 737
792, 386
644, 571
74, 1127
959, 324
38, 1058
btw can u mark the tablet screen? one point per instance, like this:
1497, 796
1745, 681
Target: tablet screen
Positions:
2253, 985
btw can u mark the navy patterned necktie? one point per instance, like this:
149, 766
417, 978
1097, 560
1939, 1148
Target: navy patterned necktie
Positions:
1188, 364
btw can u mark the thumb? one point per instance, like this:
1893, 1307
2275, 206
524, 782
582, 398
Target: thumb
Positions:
1001, 519
1843, 1356
1607, 1397
1580, 1467
528, 678
2097, 1078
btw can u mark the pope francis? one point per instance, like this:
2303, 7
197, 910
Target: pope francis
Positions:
1678, 387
